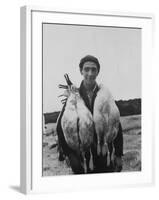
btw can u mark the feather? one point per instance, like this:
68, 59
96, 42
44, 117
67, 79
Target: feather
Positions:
106, 119
77, 123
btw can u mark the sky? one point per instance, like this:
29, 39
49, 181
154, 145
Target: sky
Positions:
117, 49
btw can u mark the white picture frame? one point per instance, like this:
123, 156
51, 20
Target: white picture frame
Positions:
31, 92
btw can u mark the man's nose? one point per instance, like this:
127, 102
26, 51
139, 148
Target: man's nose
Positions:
90, 72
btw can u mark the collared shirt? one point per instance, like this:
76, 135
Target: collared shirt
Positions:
88, 96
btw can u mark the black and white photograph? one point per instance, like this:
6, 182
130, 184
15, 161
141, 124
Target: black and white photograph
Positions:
91, 99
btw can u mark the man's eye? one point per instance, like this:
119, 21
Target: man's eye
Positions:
86, 69
90, 69
94, 70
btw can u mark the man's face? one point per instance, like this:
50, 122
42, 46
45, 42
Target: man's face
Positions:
89, 72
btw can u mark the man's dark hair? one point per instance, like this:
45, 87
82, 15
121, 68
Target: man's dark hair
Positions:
91, 59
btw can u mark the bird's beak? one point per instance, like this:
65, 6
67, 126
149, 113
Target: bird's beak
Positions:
69, 83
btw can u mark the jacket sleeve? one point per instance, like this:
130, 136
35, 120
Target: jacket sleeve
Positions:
118, 142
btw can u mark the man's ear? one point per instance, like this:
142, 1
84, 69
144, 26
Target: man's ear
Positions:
81, 72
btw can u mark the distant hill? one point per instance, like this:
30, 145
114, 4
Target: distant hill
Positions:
129, 107
51, 117
126, 107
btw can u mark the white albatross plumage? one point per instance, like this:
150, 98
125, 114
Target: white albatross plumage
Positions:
77, 125
106, 118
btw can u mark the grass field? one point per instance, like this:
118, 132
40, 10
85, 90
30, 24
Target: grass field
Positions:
132, 148
132, 142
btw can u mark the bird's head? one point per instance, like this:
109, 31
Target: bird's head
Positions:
70, 88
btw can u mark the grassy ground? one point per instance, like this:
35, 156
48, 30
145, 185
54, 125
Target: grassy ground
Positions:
132, 143
132, 148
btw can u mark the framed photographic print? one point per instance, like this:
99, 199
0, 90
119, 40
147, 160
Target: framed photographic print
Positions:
86, 100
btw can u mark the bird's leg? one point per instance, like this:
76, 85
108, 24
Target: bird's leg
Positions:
105, 150
87, 156
98, 145
108, 158
112, 154
84, 162
91, 161
111, 150
104, 146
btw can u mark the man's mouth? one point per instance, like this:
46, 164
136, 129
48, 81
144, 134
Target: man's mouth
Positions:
90, 79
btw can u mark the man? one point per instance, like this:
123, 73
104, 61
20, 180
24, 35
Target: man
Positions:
89, 69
